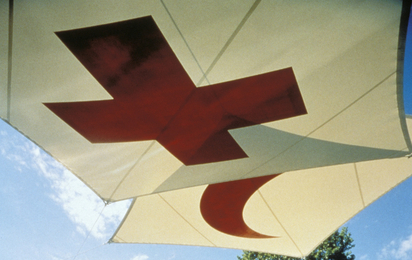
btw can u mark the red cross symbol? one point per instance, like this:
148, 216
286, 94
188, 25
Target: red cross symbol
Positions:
154, 98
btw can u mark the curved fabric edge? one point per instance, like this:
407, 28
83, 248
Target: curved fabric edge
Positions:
57, 160
403, 28
112, 238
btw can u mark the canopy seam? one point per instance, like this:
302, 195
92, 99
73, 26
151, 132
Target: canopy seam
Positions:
284, 229
9, 58
225, 46
130, 170
359, 186
177, 212
327, 121
229, 41
184, 40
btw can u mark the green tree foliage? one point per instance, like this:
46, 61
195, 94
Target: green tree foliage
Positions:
336, 247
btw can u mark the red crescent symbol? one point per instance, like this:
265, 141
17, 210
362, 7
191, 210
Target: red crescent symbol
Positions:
222, 205
155, 99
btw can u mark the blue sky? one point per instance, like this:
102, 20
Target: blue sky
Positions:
46, 212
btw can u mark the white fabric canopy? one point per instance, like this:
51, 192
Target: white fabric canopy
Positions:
329, 132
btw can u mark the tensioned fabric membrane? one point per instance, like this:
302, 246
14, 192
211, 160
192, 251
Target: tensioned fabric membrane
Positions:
259, 125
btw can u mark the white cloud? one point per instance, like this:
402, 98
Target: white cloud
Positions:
140, 257
173, 256
401, 249
364, 257
13, 150
80, 204
56, 258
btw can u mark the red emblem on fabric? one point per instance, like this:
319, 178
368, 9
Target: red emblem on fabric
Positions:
154, 98
222, 205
